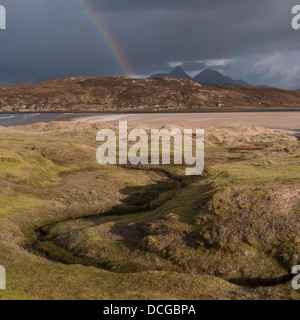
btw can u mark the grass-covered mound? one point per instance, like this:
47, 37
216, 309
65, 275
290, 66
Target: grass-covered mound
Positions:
148, 232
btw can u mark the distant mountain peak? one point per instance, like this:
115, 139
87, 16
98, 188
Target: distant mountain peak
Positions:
210, 71
177, 73
205, 77
179, 67
213, 77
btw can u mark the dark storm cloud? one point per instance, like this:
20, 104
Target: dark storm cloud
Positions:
193, 65
200, 65
53, 38
131, 5
49, 39
209, 33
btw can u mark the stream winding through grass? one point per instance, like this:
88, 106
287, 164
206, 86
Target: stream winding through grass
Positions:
148, 208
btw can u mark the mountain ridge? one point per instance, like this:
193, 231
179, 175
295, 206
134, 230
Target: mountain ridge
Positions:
205, 77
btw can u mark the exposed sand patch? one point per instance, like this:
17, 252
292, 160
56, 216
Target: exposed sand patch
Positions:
276, 120
104, 118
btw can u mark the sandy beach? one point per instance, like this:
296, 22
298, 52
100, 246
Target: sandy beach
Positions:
276, 120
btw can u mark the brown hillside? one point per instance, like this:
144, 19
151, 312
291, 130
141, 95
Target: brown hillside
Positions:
123, 94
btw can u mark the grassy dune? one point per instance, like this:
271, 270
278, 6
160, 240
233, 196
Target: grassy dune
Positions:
148, 232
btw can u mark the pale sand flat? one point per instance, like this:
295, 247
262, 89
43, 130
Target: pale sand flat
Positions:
278, 120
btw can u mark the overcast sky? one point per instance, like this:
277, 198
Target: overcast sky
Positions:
246, 39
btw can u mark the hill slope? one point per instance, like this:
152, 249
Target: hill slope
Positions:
127, 95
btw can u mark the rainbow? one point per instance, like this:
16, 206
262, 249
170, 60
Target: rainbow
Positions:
105, 36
